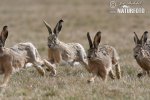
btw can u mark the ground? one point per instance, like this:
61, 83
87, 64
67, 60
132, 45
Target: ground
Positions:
25, 23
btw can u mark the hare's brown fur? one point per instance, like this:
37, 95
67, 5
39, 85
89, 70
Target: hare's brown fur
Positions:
142, 53
58, 50
101, 58
14, 58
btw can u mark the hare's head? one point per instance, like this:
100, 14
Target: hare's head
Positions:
3, 36
140, 44
92, 51
53, 35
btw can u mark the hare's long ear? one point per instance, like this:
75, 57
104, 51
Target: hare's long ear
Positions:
48, 27
136, 39
89, 39
144, 37
4, 34
58, 27
97, 39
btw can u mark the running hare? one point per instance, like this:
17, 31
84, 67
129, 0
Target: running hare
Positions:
58, 50
15, 58
142, 53
101, 58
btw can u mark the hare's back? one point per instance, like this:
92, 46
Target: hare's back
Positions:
111, 51
20, 47
76, 47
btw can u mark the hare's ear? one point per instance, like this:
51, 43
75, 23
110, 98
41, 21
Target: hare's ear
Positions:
97, 39
136, 39
144, 37
48, 27
4, 34
58, 27
89, 39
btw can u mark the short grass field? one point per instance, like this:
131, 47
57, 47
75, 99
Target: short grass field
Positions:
25, 23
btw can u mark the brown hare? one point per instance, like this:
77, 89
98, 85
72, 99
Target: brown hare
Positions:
58, 50
101, 59
14, 58
142, 53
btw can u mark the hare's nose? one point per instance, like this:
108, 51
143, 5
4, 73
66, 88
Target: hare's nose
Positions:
49, 45
135, 56
89, 57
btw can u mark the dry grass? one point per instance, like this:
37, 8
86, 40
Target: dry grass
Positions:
24, 18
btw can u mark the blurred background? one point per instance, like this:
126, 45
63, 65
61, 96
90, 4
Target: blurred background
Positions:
25, 23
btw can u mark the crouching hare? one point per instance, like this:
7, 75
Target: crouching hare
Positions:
58, 50
14, 58
101, 59
142, 53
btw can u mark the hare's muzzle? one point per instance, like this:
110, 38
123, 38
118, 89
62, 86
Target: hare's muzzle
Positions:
89, 57
135, 56
49, 45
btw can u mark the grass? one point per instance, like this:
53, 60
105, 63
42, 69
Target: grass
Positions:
24, 19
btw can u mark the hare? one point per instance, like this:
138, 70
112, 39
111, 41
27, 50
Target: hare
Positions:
14, 58
101, 59
142, 53
58, 50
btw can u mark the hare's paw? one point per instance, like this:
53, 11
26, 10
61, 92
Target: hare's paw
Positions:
91, 80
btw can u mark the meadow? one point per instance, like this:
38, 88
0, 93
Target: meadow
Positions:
24, 19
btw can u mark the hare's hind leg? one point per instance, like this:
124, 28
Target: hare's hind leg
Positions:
36, 59
39, 68
50, 67
118, 71
83, 61
104, 75
6, 79
111, 74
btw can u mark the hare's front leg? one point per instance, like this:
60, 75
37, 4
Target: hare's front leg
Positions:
7, 75
50, 56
